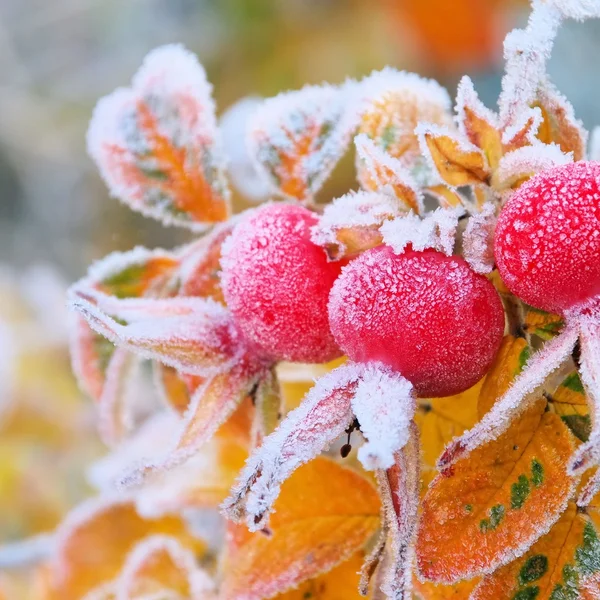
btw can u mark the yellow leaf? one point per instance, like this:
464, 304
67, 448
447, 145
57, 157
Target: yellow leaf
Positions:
324, 514
544, 325
94, 540
570, 403
457, 162
498, 500
446, 197
341, 583
555, 567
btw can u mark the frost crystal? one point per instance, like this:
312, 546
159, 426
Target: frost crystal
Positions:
478, 239
436, 231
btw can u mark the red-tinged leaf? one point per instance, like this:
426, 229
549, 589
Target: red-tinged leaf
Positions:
322, 416
559, 125
298, 137
522, 132
379, 171
212, 404
194, 335
159, 566
478, 124
555, 567
499, 500
325, 513
133, 274
457, 161
157, 144
350, 224
201, 264
93, 541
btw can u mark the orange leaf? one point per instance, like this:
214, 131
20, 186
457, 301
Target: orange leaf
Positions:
425, 590
156, 143
324, 514
555, 567
93, 541
457, 161
341, 583
497, 501
559, 125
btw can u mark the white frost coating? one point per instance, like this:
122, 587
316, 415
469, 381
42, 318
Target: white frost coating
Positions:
200, 340
141, 557
384, 404
526, 52
478, 239
305, 432
588, 454
167, 73
283, 121
594, 151
437, 231
242, 170
354, 209
515, 400
529, 160
384, 170
526, 123
589, 491
580, 10
467, 97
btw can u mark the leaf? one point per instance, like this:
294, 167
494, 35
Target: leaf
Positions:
133, 274
570, 403
457, 161
157, 145
160, 566
559, 125
341, 583
94, 540
324, 514
378, 170
425, 590
544, 325
446, 196
477, 123
175, 388
554, 568
296, 138
496, 502
478, 239
522, 132
194, 335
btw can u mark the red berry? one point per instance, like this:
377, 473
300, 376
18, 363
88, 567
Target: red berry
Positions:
276, 283
428, 316
548, 238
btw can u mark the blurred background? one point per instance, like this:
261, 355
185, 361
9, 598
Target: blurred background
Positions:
57, 58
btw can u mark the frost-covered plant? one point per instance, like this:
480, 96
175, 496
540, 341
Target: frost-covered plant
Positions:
436, 310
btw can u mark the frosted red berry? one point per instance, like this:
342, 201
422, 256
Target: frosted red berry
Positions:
547, 243
428, 316
276, 283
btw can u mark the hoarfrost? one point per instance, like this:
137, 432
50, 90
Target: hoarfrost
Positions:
478, 239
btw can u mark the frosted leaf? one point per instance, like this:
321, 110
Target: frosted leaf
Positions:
580, 10
469, 106
588, 454
525, 388
392, 104
242, 170
159, 566
560, 124
379, 171
522, 131
437, 231
591, 488
270, 406
296, 138
157, 144
211, 405
193, 335
399, 491
478, 239
594, 152
384, 404
452, 156
119, 393
351, 223
526, 52
305, 432
521, 164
